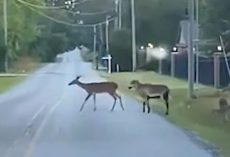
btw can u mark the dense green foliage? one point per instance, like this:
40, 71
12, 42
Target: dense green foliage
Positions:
157, 21
121, 50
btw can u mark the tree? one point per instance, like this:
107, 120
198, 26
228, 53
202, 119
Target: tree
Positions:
21, 27
215, 19
121, 50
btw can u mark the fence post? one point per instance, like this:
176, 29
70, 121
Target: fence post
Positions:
160, 66
109, 64
117, 67
173, 64
216, 62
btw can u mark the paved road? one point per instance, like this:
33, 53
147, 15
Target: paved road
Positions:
41, 118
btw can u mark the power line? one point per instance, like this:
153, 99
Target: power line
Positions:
90, 13
61, 7
64, 22
50, 7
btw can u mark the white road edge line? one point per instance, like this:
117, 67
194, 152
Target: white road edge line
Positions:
26, 132
30, 149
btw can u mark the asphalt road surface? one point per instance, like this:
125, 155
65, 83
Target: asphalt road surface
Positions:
41, 118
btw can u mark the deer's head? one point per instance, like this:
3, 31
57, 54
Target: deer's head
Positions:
134, 84
75, 81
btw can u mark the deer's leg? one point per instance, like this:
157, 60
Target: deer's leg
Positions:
119, 97
94, 102
166, 99
88, 96
115, 100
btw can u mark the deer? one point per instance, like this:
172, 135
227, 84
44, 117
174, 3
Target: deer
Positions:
223, 109
97, 88
151, 91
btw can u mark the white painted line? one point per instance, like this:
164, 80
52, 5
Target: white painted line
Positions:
26, 132
29, 124
29, 152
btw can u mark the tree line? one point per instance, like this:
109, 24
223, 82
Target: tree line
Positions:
157, 21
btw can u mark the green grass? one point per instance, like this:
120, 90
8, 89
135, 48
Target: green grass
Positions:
194, 114
7, 82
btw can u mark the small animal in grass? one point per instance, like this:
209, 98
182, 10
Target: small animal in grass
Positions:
224, 109
151, 91
97, 88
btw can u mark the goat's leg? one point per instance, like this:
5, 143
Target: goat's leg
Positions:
94, 102
148, 106
166, 99
88, 96
147, 103
119, 97
143, 106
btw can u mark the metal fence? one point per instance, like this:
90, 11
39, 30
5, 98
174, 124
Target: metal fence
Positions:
206, 70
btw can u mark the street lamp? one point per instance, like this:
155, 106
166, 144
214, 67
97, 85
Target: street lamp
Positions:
219, 48
173, 54
150, 45
174, 49
81, 22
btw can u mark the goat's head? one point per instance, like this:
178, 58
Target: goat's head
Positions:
134, 84
75, 81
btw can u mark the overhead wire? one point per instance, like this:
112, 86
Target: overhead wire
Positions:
90, 13
69, 11
64, 22
50, 7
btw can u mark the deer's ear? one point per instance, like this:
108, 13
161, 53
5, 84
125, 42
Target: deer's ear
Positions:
78, 77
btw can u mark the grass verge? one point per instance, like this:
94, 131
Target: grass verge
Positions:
7, 82
23, 64
195, 115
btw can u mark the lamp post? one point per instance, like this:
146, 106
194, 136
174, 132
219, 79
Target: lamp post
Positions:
94, 45
134, 57
107, 34
116, 10
120, 14
190, 50
173, 53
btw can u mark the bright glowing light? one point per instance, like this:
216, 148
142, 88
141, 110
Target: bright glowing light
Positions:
81, 22
174, 49
158, 53
219, 48
150, 45
162, 49
142, 47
